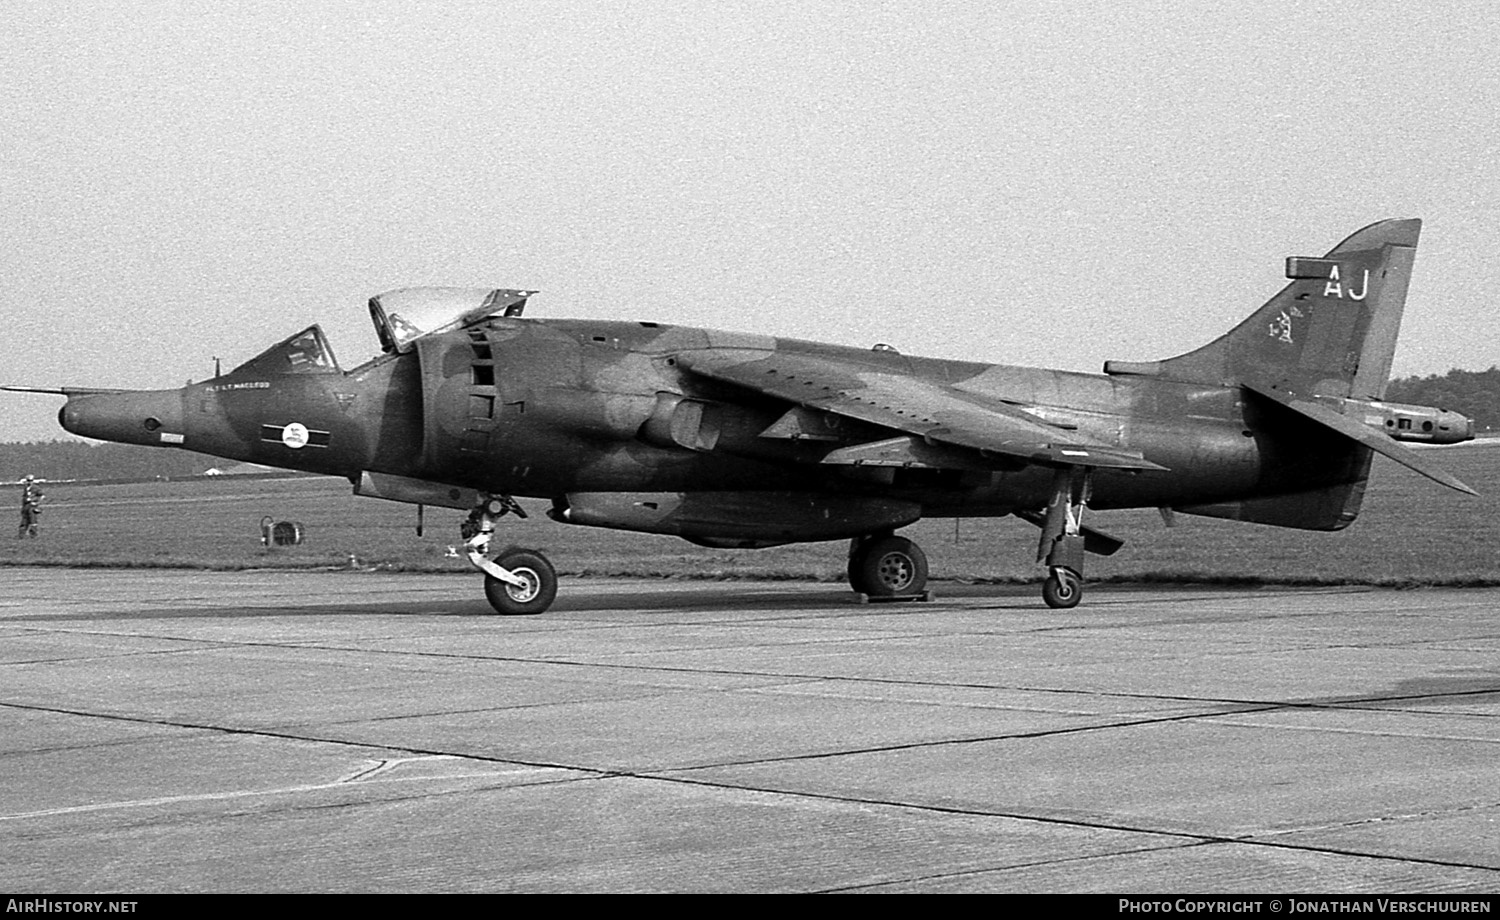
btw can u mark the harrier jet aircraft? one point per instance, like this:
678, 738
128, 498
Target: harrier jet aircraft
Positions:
741, 440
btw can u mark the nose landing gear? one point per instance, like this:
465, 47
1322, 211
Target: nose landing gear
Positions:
517, 582
531, 587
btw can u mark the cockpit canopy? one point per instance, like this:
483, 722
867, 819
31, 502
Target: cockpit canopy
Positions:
403, 316
307, 352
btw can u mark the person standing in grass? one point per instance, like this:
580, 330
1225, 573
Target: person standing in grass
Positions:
31, 507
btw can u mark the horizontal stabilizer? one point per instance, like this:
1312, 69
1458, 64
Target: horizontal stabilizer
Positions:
1377, 441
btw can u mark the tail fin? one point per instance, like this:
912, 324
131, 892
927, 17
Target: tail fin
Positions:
1312, 363
1331, 332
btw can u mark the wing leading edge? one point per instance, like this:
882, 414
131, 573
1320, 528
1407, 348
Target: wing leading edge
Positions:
937, 416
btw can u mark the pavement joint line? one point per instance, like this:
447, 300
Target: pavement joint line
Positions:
438, 713
1014, 736
564, 662
665, 776
818, 616
1412, 711
363, 776
1203, 838
1411, 823
1360, 701
1383, 819
138, 653
1352, 702
600, 773
1014, 867
1408, 644
788, 759
513, 629
1228, 719
211, 644
949, 742
315, 739
850, 611
234, 794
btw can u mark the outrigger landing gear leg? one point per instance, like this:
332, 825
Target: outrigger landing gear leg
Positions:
1062, 541
516, 581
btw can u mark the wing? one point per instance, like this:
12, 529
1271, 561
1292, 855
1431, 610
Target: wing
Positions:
936, 415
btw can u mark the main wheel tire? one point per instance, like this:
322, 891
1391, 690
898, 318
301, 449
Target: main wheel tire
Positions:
888, 567
522, 600
1063, 589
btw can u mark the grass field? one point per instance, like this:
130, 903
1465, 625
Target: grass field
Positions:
1411, 532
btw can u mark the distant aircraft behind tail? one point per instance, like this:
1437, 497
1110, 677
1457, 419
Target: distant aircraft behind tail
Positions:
744, 440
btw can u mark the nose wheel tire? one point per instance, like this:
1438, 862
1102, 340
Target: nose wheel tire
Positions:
532, 597
1063, 589
888, 567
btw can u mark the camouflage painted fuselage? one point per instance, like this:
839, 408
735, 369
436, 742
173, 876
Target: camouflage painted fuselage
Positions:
548, 408
735, 439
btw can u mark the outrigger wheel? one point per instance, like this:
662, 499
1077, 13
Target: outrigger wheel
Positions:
1063, 589
887, 566
1063, 540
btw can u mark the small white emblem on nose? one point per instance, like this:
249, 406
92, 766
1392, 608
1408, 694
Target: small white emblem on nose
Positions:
294, 435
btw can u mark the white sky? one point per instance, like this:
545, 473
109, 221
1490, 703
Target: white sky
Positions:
1022, 183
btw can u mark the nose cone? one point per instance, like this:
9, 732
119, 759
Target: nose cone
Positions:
1456, 428
152, 417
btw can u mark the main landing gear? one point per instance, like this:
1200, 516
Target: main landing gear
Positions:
887, 567
1062, 542
517, 581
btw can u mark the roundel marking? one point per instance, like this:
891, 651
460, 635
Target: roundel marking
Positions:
294, 435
